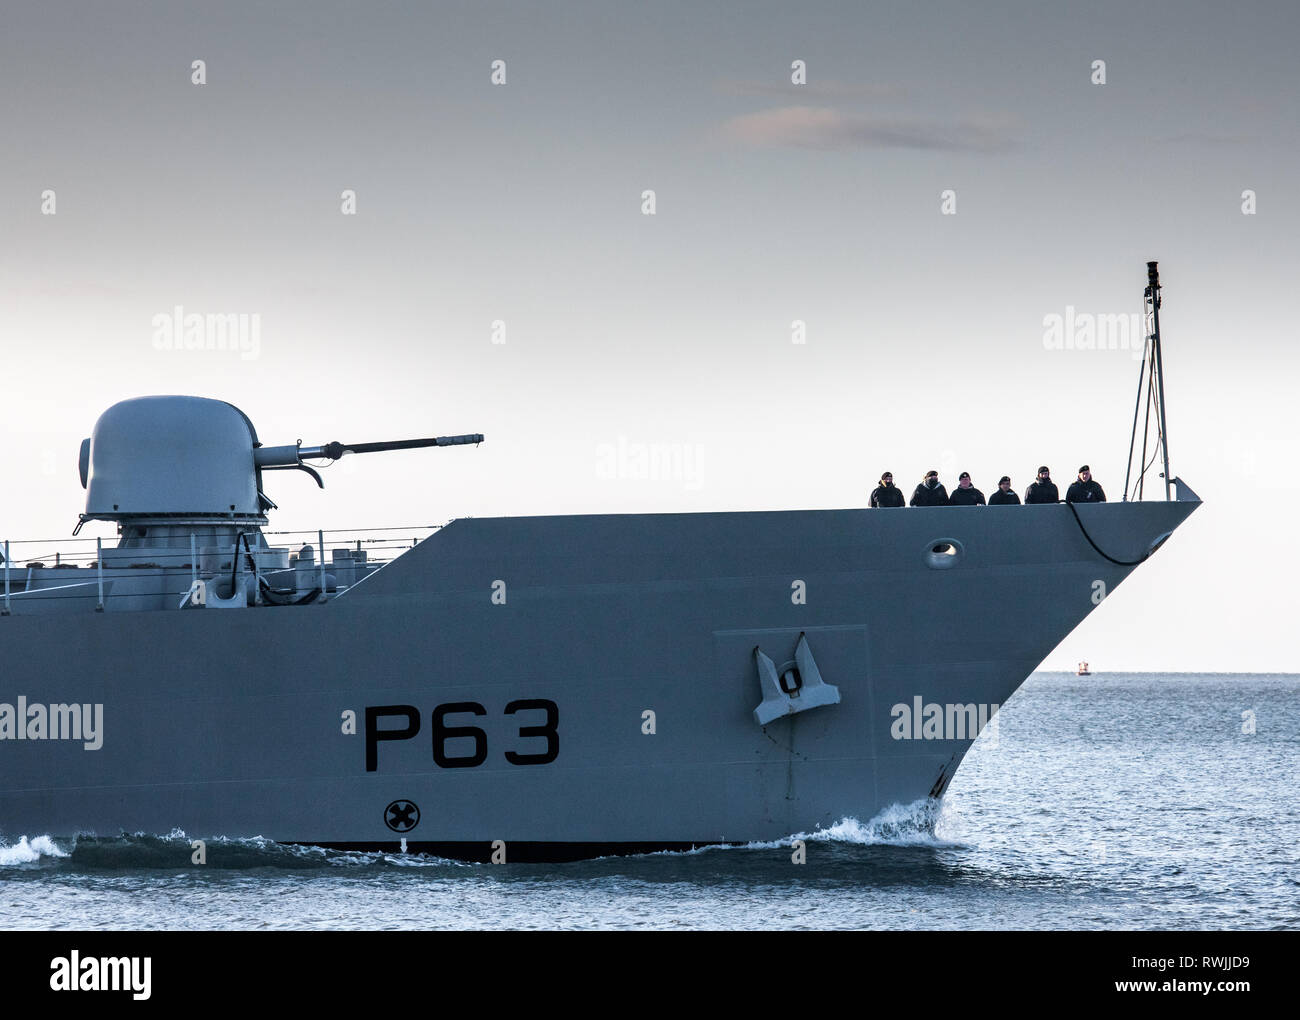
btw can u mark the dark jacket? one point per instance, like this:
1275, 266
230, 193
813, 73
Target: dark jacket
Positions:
1085, 492
966, 497
1001, 498
887, 495
1042, 492
925, 496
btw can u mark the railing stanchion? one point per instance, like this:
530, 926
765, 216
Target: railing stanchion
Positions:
99, 570
6, 577
320, 541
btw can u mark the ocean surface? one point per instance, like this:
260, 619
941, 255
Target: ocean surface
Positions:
1117, 801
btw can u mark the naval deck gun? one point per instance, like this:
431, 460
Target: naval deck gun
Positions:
275, 458
182, 477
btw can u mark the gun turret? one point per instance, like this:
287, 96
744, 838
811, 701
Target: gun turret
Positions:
189, 460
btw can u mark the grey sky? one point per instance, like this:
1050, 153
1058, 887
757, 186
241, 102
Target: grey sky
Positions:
775, 202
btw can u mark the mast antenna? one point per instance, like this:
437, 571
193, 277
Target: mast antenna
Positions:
1153, 374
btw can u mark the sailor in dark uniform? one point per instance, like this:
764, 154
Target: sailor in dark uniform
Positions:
965, 494
1044, 490
930, 492
1085, 490
886, 493
1004, 496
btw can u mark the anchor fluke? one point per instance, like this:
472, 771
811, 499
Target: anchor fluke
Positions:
795, 687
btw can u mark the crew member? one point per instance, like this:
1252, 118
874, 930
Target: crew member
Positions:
1085, 490
886, 493
1044, 490
965, 494
1004, 496
930, 492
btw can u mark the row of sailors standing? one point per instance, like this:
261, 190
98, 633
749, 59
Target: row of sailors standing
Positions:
930, 492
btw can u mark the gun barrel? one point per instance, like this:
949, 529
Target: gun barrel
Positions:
292, 456
401, 444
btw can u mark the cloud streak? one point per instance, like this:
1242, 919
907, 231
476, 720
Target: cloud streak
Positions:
1207, 138
819, 127
813, 89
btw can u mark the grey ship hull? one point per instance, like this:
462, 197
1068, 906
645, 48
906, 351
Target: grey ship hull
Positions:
232, 723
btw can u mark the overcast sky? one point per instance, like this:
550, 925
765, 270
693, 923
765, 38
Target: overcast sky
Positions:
775, 202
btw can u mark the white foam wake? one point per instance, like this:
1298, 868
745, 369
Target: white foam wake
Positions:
24, 852
911, 824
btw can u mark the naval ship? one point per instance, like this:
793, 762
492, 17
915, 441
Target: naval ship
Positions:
520, 688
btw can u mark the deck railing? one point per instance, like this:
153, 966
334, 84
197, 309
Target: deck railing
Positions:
83, 558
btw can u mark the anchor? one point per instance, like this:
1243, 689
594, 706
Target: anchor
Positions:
796, 687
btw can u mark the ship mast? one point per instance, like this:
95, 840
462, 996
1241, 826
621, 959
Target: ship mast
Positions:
1155, 394
1158, 367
